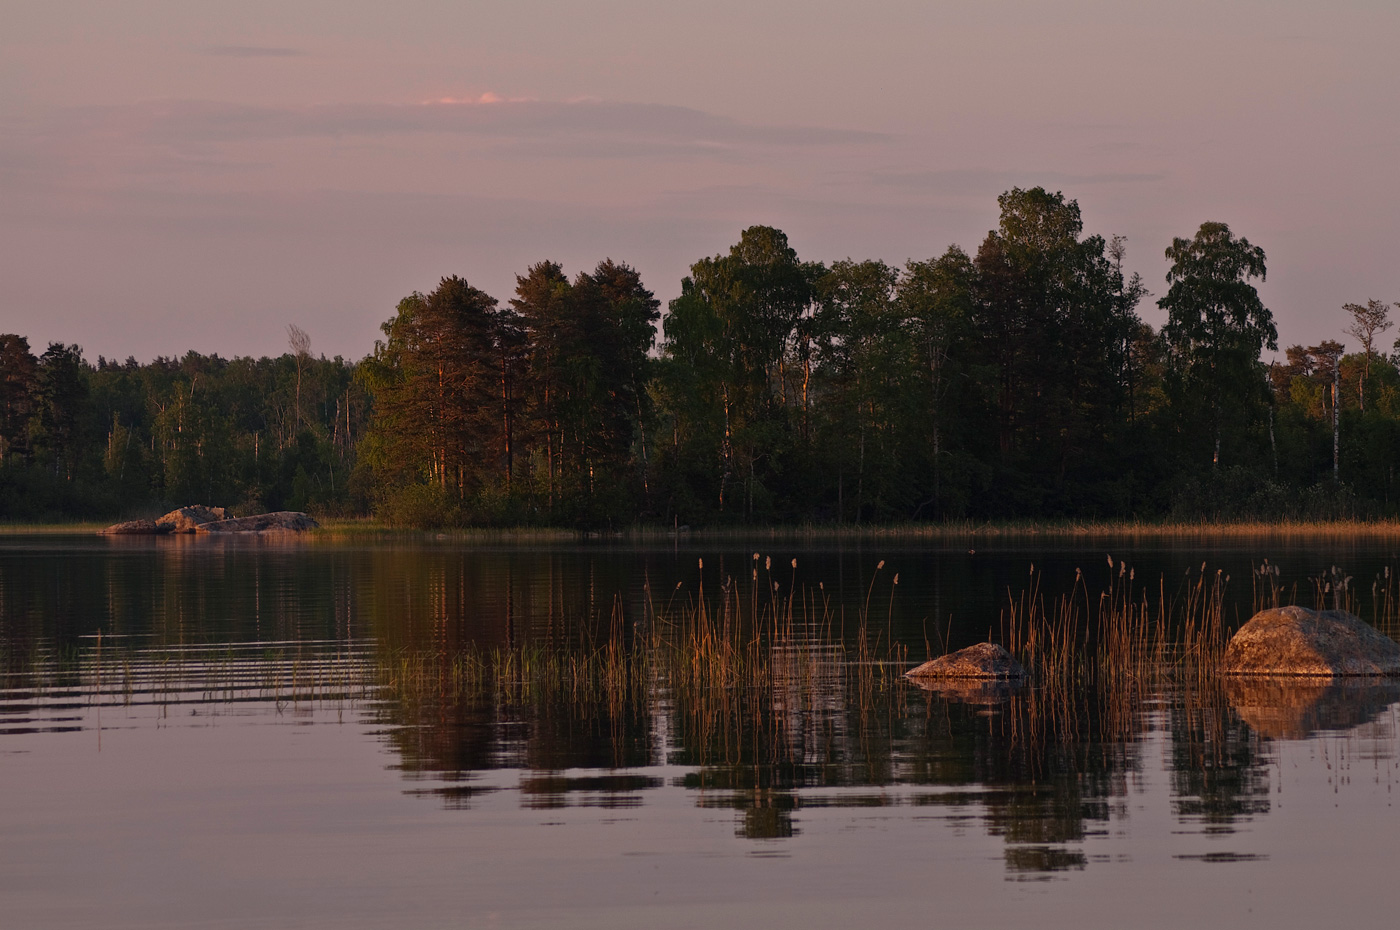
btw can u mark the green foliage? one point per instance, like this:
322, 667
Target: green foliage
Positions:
1055, 319
735, 377
1216, 329
1015, 383
120, 439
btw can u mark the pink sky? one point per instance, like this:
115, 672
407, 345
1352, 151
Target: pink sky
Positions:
179, 175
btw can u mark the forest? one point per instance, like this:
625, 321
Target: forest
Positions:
1015, 382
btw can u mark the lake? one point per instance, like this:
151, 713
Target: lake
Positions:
323, 733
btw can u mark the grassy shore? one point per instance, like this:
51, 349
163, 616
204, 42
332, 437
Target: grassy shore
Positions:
956, 531
50, 529
1047, 529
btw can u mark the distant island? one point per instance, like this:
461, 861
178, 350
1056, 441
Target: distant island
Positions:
1016, 383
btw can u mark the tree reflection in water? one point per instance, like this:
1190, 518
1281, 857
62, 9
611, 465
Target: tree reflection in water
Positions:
1041, 768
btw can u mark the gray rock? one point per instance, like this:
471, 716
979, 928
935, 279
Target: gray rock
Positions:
135, 528
984, 660
1321, 643
187, 519
283, 521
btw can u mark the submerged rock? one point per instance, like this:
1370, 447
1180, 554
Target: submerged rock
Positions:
187, 519
1296, 707
135, 528
283, 521
984, 660
1299, 641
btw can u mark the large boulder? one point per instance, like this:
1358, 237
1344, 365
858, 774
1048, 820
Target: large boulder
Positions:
1299, 641
283, 521
984, 660
187, 519
135, 528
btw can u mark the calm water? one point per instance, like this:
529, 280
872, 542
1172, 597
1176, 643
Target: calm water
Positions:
225, 754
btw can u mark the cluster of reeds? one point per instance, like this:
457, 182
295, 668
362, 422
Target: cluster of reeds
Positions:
1123, 634
711, 651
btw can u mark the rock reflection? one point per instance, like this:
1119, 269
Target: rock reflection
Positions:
1296, 708
988, 692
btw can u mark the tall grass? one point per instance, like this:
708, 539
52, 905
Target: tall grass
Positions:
1121, 635
768, 634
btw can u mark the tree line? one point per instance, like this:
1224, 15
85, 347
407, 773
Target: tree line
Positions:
1018, 381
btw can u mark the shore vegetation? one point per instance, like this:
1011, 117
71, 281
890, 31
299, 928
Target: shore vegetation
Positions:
1013, 385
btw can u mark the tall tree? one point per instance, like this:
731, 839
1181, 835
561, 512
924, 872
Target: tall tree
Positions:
19, 388
1054, 314
64, 407
1367, 321
300, 344
861, 354
435, 380
730, 338
551, 332
586, 342
632, 313
935, 297
1217, 326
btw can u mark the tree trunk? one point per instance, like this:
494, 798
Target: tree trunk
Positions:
1336, 422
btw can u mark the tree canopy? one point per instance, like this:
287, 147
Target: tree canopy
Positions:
1016, 381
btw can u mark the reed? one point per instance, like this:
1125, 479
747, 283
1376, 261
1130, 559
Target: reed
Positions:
709, 654
1123, 636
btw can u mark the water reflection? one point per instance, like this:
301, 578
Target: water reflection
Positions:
191, 629
1043, 772
1296, 708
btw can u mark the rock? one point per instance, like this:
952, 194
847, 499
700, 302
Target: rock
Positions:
283, 521
135, 528
1296, 707
1299, 641
186, 519
984, 660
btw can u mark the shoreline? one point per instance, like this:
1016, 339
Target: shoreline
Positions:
352, 528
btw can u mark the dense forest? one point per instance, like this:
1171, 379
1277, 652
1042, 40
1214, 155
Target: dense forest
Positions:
1015, 382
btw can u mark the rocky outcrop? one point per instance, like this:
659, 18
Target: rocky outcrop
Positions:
984, 660
201, 519
188, 519
1318, 643
283, 521
1297, 707
135, 528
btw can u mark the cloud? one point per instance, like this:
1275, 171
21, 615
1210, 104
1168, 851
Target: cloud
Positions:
487, 117
253, 51
979, 180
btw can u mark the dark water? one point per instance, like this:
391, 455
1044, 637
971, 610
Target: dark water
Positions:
226, 755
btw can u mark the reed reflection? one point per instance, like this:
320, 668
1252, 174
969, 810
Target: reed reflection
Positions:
575, 679
767, 715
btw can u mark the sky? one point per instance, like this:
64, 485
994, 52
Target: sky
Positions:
189, 174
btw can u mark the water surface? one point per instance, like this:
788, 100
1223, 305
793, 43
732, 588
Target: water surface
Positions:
227, 753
